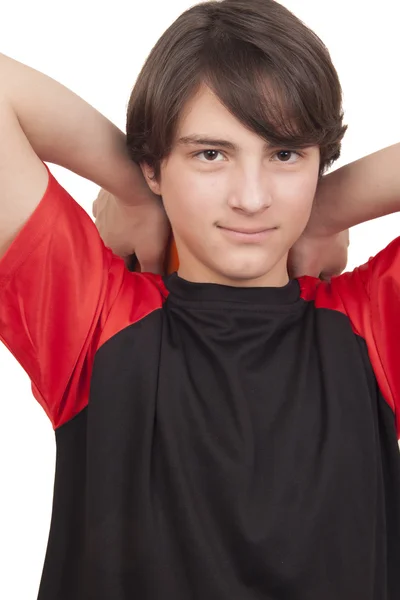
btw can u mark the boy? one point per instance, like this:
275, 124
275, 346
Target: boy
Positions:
224, 432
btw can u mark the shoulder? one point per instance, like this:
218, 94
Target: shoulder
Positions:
369, 296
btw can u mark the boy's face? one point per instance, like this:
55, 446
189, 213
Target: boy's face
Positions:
236, 206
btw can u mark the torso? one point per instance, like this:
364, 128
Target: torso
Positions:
236, 446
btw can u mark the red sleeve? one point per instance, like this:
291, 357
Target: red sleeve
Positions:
382, 280
62, 293
370, 297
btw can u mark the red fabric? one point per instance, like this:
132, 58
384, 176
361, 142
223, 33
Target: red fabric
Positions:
62, 294
370, 297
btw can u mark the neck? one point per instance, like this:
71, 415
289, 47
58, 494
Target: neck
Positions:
200, 273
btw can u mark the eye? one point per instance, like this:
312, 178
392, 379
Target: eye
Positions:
210, 156
284, 156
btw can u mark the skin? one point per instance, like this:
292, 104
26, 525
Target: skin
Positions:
236, 205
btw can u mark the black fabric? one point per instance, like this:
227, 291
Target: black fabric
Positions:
235, 447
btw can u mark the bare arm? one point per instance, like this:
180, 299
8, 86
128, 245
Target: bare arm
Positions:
360, 191
41, 120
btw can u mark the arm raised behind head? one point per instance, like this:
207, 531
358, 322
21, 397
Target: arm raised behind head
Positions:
41, 120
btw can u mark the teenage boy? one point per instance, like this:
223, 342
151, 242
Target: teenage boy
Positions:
225, 432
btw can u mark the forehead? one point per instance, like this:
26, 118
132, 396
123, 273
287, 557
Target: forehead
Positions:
205, 116
204, 112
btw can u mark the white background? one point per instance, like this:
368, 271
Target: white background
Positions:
97, 49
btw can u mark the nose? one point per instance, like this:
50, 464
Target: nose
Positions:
251, 191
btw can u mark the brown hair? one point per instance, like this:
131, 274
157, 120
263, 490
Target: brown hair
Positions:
267, 68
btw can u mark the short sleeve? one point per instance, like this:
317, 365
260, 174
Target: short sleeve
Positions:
59, 288
382, 274
371, 298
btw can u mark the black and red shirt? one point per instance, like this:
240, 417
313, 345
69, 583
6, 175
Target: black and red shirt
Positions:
213, 443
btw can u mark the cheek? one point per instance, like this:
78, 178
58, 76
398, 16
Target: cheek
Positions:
188, 199
183, 210
299, 195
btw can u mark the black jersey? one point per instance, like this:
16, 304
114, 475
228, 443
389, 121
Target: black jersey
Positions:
213, 443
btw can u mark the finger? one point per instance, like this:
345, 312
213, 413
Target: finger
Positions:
152, 262
327, 275
94, 209
151, 255
301, 269
157, 268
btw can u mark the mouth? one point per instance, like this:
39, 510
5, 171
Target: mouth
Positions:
244, 234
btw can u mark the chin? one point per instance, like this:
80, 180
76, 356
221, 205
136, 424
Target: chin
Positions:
244, 273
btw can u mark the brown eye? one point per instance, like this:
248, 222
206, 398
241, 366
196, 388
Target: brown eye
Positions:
210, 154
285, 155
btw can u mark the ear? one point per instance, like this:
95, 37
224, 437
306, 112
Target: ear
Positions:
149, 175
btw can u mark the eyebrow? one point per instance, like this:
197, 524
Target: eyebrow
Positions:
199, 140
